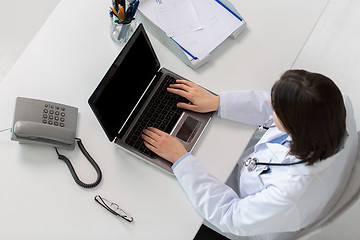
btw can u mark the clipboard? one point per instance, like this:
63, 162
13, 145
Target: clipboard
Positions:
182, 53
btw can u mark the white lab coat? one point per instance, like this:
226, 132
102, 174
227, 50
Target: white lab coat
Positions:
286, 199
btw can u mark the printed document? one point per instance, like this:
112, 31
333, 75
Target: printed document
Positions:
216, 21
174, 17
218, 24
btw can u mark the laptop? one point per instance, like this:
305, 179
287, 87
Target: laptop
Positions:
132, 96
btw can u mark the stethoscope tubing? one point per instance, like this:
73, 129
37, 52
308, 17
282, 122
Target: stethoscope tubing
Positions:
251, 163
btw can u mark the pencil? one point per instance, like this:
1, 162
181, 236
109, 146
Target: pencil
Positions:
116, 14
121, 12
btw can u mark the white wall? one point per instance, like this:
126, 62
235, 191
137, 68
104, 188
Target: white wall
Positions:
333, 49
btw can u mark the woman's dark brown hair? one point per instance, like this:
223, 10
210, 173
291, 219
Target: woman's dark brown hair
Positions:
311, 108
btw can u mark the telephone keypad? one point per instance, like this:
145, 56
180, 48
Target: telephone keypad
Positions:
53, 115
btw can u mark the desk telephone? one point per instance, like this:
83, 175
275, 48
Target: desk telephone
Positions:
44, 122
51, 124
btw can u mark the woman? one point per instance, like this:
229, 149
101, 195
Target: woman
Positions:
313, 141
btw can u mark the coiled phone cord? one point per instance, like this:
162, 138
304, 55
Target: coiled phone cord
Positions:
72, 170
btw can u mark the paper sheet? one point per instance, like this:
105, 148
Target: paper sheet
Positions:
174, 17
216, 21
218, 24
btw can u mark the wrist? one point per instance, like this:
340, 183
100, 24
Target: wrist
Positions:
216, 103
177, 156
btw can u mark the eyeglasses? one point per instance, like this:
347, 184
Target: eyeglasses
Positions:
113, 208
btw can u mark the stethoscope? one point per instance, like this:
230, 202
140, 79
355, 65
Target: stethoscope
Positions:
252, 163
266, 124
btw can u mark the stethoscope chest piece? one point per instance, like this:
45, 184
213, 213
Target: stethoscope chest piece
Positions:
250, 164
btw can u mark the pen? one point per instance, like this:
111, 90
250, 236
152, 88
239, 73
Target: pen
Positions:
130, 13
136, 5
124, 29
112, 21
124, 21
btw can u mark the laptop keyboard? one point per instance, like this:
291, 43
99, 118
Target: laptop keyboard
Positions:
161, 113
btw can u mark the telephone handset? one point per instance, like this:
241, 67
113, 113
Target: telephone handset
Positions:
52, 124
46, 133
44, 122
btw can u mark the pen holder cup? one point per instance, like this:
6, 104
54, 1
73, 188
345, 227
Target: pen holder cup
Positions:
121, 33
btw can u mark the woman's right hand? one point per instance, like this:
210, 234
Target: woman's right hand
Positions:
201, 99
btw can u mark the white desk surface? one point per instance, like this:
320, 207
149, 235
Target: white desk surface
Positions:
65, 62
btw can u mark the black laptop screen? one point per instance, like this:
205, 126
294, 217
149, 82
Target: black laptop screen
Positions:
124, 83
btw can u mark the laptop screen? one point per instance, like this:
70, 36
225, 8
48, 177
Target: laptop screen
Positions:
124, 83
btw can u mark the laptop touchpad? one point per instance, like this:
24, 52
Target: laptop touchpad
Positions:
188, 129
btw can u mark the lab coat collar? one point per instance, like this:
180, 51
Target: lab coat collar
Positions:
280, 151
272, 133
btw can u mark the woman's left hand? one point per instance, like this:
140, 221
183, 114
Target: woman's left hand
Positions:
163, 144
